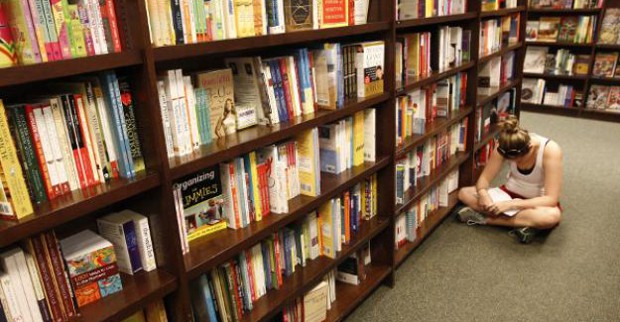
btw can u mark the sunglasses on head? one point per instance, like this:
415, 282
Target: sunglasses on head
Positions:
513, 153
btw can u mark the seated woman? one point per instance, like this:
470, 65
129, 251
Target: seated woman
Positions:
534, 183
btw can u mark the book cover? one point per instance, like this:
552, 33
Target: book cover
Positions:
121, 232
203, 203
548, 29
535, 58
605, 64
128, 106
23, 31
597, 97
327, 229
334, 13
308, 162
369, 63
220, 90
581, 65
610, 27
8, 56
298, 15
143, 238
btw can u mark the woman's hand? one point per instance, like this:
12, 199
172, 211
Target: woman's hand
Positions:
501, 207
485, 202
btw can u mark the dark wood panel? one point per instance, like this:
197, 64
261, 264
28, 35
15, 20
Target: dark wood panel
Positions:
307, 277
413, 194
230, 45
501, 12
428, 225
75, 205
563, 12
216, 248
419, 81
432, 129
498, 53
32, 73
561, 110
608, 46
556, 77
255, 137
404, 24
348, 296
138, 291
558, 44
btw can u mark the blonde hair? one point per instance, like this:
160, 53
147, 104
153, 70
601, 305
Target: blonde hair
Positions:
511, 135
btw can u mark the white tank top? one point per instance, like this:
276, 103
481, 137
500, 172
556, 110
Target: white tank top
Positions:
529, 185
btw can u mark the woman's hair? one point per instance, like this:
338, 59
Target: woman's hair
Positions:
511, 136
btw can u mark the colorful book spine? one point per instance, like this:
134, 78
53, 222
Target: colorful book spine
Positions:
8, 56
62, 29
110, 26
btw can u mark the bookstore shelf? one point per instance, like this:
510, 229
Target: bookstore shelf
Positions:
493, 131
255, 137
571, 111
604, 80
601, 114
290, 38
419, 81
430, 223
608, 46
558, 44
483, 99
348, 297
558, 77
216, 248
138, 291
501, 12
552, 11
38, 72
305, 278
499, 53
438, 125
404, 24
413, 194
75, 205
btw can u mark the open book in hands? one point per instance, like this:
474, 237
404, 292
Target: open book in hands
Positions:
498, 195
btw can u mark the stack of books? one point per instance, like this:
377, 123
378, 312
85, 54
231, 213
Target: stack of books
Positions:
414, 9
498, 33
492, 5
495, 73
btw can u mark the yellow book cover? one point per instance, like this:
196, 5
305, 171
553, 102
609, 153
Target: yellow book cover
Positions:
358, 138
22, 37
244, 14
374, 196
327, 229
78, 43
255, 187
260, 23
430, 9
15, 192
309, 171
413, 55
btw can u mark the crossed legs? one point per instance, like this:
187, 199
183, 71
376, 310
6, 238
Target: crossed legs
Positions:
539, 217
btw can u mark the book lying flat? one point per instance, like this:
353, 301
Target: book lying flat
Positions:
498, 195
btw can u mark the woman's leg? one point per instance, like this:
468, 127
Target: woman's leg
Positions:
539, 217
469, 196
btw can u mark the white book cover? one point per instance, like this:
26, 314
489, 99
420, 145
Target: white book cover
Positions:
360, 9
370, 153
46, 144
143, 233
112, 227
315, 249
535, 58
170, 88
499, 195
184, 119
165, 116
273, 106
20, 284
63, 136
190, 106
13, 306
247, 91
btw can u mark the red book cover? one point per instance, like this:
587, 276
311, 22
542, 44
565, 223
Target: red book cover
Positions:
347, 217
351, 12
231, 273
52, 191
82, 136
108, 16
287, 88
58, 269
334, 13
234, 197
75, 138
248, 261
276, 247
463, 98
263, 187
86, 135
49, 284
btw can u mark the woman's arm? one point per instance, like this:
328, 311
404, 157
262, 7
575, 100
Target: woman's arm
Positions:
488, 174
552, 164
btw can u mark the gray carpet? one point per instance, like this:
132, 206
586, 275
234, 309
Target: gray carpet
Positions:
463, 273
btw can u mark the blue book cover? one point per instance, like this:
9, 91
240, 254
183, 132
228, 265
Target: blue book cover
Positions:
246, 279
125, 138
328, 153
110, 285
131, 239
266, 265
113, 117
248, 177
276, 77
208, 297
340, 78
241, 192
288, 261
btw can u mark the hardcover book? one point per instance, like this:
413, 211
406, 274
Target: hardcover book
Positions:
548, 29
334, 13
605, 64
535, 58
369, 63
298, 15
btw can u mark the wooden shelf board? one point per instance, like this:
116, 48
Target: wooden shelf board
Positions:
605, 80
289, 38
573, 112
305, 278
419, 81
403, 24
553, 76
428, 225
557, 109
501, 12
483, 99
209, 251
74, 205
499, 53
487, 137
250, 139
138, 291
608, 46
438, 125
69, 67
557, 44
348, 296
413, 194
563, 11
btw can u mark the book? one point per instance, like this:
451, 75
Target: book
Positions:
309, 162
91, 262
535, 58
597, 97
548, 29
143, 237
499, 195
333, 13
13, 262
610, 26
605, 64
8, 56
298, 15
315, 303
220, 90
121, 232
369, 63
156, 312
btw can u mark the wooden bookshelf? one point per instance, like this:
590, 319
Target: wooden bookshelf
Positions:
151, 192
557, 77
558, 44
553, 11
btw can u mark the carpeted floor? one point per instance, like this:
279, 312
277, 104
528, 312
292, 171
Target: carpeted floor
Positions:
463, 273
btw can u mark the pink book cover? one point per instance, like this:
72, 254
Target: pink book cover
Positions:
61, 28
88, 37
31, 32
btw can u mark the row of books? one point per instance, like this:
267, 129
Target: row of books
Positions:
230, 290
601, 97
250, 187
37, 31
566, 4
47, 280
422, 106
498, 33
425, 158
187, 22
408, 223
533, 90
570, 29
153, 312
482, 156
204, 106
496, 72
538, 60
564, 96
494, 111
605, 64
75, 135
492, 5
414, 9
610, 27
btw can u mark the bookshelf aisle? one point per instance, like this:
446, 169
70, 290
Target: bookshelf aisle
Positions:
446, 74
570, 68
